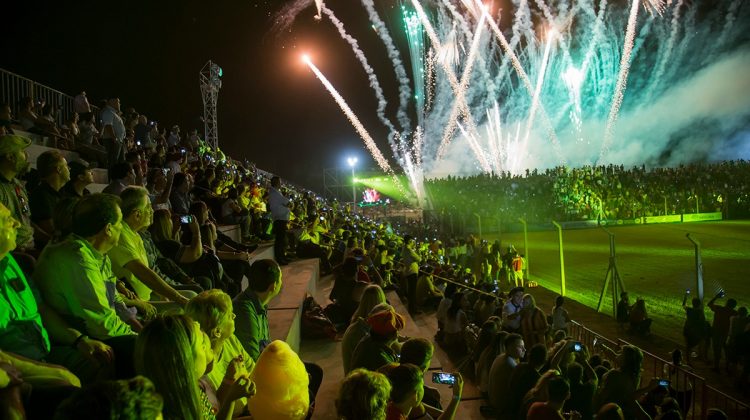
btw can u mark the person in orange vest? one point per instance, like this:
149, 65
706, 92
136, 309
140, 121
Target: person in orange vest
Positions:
517, 265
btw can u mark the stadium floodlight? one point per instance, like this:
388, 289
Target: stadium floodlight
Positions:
210, 79
353, 161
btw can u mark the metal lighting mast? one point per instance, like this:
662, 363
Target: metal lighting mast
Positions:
210, 77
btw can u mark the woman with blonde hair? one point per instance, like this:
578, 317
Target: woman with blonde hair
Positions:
212, 309
174, 354
358, 328
534, 325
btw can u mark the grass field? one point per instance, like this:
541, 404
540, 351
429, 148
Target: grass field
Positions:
655, 262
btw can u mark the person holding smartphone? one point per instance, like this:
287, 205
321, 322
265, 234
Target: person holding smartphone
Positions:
407, 390
720, 330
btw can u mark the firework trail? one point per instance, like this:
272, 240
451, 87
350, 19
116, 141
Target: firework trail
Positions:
374, 84
622, 80
369, 142
664, 59
465, 78
404, 90
460, 94
551, 34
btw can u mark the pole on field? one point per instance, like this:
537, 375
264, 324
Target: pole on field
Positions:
526, 247
479, 224
613, 276
562, 258
698, 267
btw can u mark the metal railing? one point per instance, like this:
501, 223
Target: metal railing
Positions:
693, 391
14, 87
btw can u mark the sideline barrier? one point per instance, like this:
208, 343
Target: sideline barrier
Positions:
703, 396
702, 217
672, 218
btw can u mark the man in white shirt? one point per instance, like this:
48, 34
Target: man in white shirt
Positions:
512, 311
113, 131
278, 205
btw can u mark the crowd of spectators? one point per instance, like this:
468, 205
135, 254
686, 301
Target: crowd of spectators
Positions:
596, 192
132, 300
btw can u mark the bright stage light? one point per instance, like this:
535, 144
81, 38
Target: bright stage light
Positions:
352, 161
306, 59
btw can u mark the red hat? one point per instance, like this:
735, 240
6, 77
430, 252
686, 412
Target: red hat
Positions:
385, 322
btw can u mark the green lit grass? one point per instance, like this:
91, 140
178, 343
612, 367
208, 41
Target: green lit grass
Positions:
655, 262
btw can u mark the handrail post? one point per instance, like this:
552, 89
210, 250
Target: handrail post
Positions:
526, 247
479, 223
562, 258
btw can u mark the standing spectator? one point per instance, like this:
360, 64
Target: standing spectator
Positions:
695, 327
279, 208
113, 131
81, 103
512, 311
122, 176
680, 381
720, 331
174, 136
533, 322
560, 317
251, 307
501, 371
411, 261
737, 326
621, 385
53, 173
623, 309
81, 176
13, 162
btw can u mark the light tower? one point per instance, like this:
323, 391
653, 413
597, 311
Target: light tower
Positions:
210, 77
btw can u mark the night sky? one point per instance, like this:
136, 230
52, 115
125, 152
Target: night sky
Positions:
272, 109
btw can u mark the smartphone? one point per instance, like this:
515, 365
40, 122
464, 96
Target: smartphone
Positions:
183, 150
187, 219
165, 171
722, 293
577, 346
138, 143
443, 378
687, 291
322, 218
664, 382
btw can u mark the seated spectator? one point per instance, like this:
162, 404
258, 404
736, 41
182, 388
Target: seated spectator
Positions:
583, 383
456, 322
540, 391
524, 377
640, 323
212, 309
363, 395
346, 289
251, 306
174, 354
168, 269
559, 315
407, 385
442, 309
418, 352
122, 175
559, 392
87, 142
501, 371
53, 174
6, 119
623, 309
26, 113
309, 244
281, 384
485, 307
81, 176
159, 187
129, 257
533, 322
428, 296
75, 279
494, 349
133, 399
380, 346
372, 298
233, 214
13, 162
